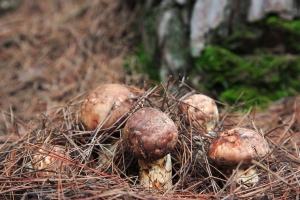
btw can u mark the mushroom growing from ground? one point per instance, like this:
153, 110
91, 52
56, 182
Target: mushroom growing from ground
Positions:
48, 161
200, 111
238, 146
106, 105
151, 135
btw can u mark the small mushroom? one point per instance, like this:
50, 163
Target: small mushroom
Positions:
238, 146
151, 135
106, 105
200, 111
48, 161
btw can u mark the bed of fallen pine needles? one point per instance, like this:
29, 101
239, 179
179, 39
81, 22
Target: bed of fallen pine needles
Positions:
52, 53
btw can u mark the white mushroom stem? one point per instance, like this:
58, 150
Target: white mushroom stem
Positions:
106, 154
156, 174
246, 176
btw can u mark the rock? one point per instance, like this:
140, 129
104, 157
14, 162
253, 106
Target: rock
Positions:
207, 15
259, 8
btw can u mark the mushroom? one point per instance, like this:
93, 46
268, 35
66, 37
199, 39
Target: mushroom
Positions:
200, 111
151, 135
106, 105
48, 161
236, 147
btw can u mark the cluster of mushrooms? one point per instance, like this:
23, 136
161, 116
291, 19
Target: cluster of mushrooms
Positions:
151, 135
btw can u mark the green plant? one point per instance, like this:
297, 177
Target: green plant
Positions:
288, 32
140, 63
260, 77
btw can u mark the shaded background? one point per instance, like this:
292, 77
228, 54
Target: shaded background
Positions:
228, 49
53, 52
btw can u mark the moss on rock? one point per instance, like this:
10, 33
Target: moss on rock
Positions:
261, 76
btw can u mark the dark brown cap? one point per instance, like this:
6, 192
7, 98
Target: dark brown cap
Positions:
150, 134
237, 145
105, 100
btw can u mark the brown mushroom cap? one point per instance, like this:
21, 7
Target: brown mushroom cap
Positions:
150, 134
105, 100
47, 163
237, 145
201, 109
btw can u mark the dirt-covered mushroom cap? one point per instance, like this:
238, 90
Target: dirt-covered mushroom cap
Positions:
103, 101
237, 145
200, 109
47, 163
150, 134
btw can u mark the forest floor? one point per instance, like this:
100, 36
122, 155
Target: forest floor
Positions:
52, 53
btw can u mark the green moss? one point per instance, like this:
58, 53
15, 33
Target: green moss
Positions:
139, 63
259, 60
292, 27
288, 32
146, 52
243, 41
245, 95
261, 77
